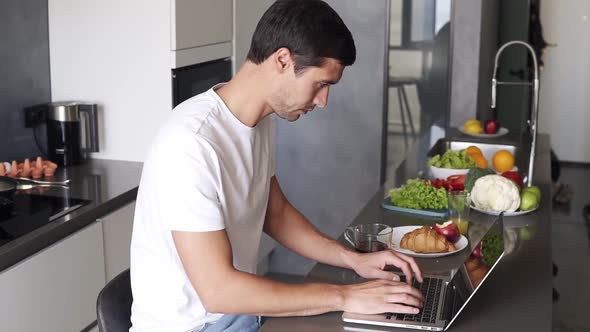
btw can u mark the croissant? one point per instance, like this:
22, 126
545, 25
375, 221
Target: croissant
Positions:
426, 240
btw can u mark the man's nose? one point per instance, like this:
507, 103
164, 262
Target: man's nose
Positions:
321, 99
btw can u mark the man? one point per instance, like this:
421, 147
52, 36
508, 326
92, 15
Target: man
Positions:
208, 191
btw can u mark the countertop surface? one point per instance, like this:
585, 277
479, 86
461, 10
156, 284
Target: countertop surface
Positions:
517, 296
106, 184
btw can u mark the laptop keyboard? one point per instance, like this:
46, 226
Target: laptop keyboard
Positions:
430, 289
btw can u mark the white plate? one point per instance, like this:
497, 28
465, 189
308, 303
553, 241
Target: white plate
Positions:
506, 214
398, 233
444, 173
501, 132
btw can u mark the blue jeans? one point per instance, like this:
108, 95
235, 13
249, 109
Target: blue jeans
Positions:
232, 323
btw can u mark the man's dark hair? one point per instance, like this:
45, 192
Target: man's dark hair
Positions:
310, 29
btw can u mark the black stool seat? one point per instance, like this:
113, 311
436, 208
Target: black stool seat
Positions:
113, 306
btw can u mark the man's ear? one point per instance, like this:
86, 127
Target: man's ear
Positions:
283, 59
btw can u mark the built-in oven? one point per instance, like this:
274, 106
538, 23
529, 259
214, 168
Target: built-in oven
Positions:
191, 80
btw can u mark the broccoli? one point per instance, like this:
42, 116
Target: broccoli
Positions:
491, 248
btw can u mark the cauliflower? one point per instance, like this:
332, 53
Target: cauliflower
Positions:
495, 193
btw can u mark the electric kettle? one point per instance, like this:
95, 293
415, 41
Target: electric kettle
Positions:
72, 130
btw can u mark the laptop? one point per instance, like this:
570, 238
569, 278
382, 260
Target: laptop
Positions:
444, 297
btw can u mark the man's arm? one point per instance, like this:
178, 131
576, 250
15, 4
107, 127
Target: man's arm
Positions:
207, 260
290, 228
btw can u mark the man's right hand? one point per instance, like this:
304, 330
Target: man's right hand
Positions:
224, 289
381, 296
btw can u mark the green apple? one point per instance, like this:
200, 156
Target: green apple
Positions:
528, 201
535, 190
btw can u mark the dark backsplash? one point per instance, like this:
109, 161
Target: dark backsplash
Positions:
24, 73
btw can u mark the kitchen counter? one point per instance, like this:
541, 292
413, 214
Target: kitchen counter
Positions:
517, 296
106, 184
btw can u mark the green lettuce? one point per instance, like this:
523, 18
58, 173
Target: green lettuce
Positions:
419, 194
455, 159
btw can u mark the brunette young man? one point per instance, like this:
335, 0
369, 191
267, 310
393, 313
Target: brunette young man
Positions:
208, 191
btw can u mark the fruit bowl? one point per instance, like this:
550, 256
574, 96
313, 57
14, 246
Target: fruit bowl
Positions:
443, 173
501, 132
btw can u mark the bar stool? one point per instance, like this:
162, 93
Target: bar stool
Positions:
399, 82
113, 306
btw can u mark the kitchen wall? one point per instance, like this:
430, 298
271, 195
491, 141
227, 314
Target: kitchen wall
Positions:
465, 35
474, 44
329, 161
116, 54
24, 71
488, 46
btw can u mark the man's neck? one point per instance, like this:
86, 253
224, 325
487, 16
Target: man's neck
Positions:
245, 93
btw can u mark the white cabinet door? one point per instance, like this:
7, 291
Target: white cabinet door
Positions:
247, 15
117, 228
200, 22
55, 290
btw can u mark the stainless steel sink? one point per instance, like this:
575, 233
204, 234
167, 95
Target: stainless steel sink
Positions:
488, 150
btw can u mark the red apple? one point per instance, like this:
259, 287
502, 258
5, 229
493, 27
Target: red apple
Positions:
448, 230
491, 126
514, 176
477, 251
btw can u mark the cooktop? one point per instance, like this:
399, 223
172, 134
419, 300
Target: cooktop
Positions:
33, 211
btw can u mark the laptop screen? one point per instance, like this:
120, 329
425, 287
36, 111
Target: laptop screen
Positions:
474, 271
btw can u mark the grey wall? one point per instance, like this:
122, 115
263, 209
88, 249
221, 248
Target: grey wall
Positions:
488, 47
465, 35
475, 38
24, 71
329, 161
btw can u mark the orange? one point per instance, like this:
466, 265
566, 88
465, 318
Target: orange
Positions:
471, 150
479, 160
503, 161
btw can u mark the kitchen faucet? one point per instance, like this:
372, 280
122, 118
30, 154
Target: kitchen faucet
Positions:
532, 122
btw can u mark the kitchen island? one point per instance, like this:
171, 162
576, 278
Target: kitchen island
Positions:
517, 296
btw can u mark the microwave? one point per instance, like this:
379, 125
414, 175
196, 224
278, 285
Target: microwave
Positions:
192, 80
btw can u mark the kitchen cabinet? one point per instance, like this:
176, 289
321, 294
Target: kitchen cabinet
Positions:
117, 228
115, 53
200, 23
56, 289
247, 15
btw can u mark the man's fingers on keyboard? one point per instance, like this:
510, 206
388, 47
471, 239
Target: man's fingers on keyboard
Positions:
403, 309
404, 298
402, 288
413, 290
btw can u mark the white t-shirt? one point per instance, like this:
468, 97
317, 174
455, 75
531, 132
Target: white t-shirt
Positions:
205, 171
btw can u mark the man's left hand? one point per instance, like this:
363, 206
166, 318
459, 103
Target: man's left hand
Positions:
372, 265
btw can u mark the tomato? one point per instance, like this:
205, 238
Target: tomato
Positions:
439, 183
456, 182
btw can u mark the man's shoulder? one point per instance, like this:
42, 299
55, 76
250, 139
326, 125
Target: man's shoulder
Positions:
194, 111
181, 137
188, 118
